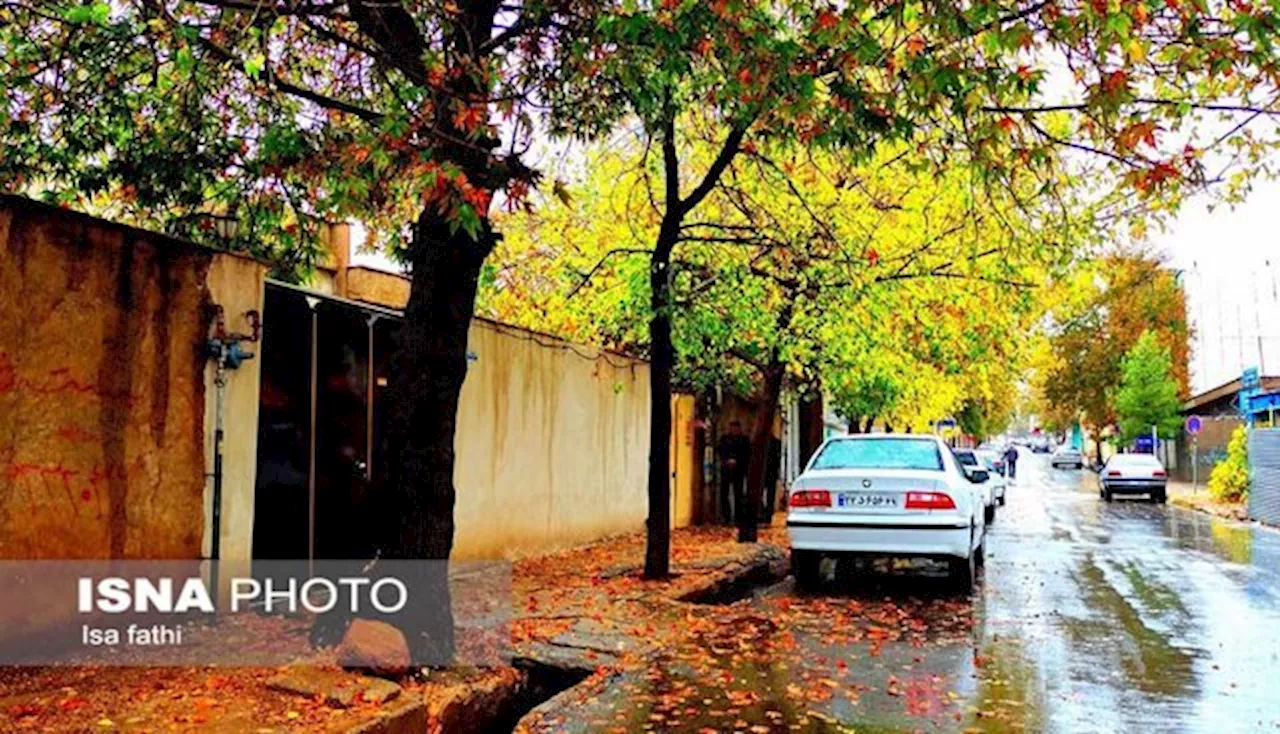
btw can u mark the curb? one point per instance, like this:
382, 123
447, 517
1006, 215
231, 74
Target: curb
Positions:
408, 716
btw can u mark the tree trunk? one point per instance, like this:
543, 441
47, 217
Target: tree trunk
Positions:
761, 431
871, 423
428, 367
854, 425
657, 557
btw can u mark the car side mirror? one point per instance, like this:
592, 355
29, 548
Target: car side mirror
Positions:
978, 476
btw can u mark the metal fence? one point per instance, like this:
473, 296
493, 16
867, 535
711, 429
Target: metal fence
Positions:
1264, 475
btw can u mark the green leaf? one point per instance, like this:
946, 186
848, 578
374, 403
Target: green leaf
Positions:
254, 64
98, 13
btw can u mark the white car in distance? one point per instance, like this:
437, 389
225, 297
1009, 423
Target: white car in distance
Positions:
994, 465
897, 495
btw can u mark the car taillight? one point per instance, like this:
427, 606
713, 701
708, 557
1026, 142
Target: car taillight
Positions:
810, 498
1158, 473
929, 501
1113, 473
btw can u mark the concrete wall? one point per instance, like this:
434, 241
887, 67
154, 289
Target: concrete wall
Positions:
237, 285
374, 286
552, 444
107, 408
105, 403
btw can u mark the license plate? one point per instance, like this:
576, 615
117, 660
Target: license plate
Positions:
867, 499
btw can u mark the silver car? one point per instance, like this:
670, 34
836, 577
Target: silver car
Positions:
1067, 456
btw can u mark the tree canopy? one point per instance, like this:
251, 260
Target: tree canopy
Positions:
1099, 314
900, 292
1147, 398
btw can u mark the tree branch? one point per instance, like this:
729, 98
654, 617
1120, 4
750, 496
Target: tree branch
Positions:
600, 263
732, 143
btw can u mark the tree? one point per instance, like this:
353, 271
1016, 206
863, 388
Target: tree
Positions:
278, 113
1148, 395
854, 76
898, 288
1099, 314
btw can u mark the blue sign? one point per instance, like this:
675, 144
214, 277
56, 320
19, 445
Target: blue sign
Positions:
1144, 445
1251, 380
1194, 425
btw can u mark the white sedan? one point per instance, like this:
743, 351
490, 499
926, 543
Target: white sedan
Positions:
1133, 474
995, 468
887, 495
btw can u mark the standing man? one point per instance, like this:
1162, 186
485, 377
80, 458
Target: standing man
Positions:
733, 450
1011, 461
772, 468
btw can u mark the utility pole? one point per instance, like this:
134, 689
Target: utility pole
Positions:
1222, 327
1240, 331
1203, 352
1257, 320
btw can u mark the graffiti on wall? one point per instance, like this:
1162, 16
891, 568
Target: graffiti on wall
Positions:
77, 479
101, 388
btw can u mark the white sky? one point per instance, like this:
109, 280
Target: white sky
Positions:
1231, 265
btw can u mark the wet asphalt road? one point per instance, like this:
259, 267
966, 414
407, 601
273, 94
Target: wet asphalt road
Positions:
1130, 616
1091, 617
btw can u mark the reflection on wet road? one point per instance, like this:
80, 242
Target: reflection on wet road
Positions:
1092, 617
1137, 617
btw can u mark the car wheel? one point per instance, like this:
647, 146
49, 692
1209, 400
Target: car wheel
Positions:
980, 555
1106, 495
1001, 500
990, 514
963, 573
806, 565
1159, 497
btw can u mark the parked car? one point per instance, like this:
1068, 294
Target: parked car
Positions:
887, 495
1040, 445
1133, 474
969, 461
994, 463
1067, 456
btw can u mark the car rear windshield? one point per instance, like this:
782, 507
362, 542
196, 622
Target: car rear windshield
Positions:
966, 458
880, 453
1135, 460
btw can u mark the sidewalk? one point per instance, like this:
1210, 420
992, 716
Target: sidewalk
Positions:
1182, 494
580, 613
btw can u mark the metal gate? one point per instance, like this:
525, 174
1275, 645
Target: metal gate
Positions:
1264, 475
324, 363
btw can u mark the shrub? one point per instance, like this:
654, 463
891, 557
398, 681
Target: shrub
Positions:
1229, 481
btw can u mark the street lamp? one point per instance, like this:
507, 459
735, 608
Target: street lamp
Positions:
225, 227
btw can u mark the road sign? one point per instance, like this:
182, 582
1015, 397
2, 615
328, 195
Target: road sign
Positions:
1193, 425
1250, 379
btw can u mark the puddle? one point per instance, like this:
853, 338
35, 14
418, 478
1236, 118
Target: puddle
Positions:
1147, 657
542, 683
